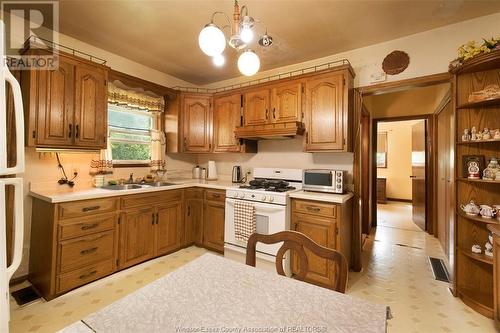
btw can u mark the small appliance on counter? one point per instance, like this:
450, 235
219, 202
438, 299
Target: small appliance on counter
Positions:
197, 172
237, 174
211, 171
324, 180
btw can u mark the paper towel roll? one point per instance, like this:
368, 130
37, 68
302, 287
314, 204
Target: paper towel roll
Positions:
212, 171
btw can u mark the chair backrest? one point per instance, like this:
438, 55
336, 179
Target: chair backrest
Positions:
293, 240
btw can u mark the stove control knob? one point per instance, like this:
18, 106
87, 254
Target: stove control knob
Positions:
236, 195
271, 199
263, 198
242, 195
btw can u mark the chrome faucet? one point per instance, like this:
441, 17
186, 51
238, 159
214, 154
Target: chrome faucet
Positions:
131, 178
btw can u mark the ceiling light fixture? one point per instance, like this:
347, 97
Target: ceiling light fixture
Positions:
212, 40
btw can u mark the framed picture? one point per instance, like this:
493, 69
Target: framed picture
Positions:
382, 150
472, 166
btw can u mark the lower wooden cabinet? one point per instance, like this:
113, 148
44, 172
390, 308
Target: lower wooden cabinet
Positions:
136, 236
329, 225
213, 225
74, 243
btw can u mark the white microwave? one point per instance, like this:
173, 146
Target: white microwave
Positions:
324, 180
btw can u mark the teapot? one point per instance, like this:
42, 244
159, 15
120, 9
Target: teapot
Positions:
471, 208
487, 212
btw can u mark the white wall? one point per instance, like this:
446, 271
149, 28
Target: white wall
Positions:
430, 52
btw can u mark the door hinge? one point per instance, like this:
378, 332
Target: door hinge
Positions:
343, 81
34, 134
303, 89
343, 141
336, 230
105, 82
119, 220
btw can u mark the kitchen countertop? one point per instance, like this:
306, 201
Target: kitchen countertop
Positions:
65, 194
319, 196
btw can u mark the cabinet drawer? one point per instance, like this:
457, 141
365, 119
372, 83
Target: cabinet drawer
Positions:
84, 251
87, 207
214, 195
314, 207
84, 275
78, 227
141, 200
193, 193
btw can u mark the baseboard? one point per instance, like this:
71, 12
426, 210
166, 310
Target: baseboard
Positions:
400, 200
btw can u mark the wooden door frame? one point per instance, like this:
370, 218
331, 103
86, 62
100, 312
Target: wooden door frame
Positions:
429, 163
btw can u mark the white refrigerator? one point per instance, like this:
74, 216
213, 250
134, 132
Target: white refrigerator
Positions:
10, 175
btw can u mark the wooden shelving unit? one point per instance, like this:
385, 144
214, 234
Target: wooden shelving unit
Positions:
473, 275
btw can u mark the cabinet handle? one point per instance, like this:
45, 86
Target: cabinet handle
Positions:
153, 219
189, 211
185, 143
89, 209
274, 113
313, 209
215, 195
88, 251
84, 276
70, 134
267, 114
89, 226
77, 131
157, 218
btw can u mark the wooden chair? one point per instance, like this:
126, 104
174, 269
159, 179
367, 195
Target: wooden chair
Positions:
293, 240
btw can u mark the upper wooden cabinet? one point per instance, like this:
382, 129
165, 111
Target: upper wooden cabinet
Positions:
196, 123
328, 112
226, 117
256, 106
276, 103
287, 102
66, 107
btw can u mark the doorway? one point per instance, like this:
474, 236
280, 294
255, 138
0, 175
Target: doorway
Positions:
401, 169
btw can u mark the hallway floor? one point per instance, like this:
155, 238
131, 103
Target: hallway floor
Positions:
396, 273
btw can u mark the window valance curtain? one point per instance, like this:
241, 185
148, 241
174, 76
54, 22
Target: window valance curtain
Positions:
120, 94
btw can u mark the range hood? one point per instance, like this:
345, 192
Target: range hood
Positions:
270, 131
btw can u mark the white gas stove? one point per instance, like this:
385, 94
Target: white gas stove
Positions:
269, 191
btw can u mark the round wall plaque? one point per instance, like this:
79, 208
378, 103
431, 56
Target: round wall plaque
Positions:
395, 62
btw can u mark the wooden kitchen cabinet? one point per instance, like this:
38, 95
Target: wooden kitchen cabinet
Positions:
66, 107
193, 217
169, 228
137, 236
287, 102
226, 117
256, 106
328, 225
329, 112
213, 220
196, 123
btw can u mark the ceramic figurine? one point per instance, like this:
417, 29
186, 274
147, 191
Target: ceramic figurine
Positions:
476, 248
497, 174
490, 237
486, 134
491, 170
487, 212
473, 134
473, 171
489, 253
496, 136
466, 135
488, 246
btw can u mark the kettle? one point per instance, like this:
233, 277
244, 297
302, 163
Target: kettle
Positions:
237, 174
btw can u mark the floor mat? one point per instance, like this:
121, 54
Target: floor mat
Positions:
25, 295
439, 269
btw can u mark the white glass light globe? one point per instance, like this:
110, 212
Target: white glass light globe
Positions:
248, 63
212, 40
246, 35
219, 60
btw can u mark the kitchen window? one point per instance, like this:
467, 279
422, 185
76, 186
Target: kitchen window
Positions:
130, 134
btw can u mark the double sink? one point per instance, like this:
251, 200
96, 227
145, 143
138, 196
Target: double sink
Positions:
135, 186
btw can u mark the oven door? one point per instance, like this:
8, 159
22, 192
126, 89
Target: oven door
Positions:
270, 219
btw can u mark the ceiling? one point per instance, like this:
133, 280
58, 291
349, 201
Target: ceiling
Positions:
164, 34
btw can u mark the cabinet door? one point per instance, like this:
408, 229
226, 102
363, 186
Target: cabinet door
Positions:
287, 102
90, 107
322, 231
168, 228
193, 221
54, 109
213, 225
227, 116
136, 236
325, 113
256, 107
196, 119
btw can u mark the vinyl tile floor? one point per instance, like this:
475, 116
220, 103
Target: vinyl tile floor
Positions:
396, 273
